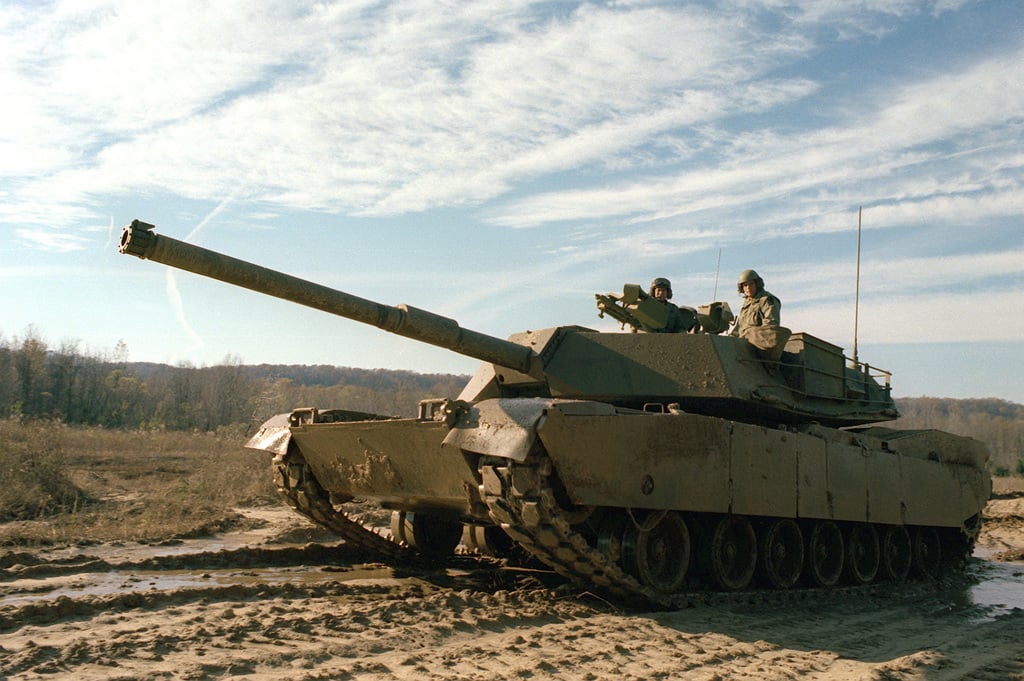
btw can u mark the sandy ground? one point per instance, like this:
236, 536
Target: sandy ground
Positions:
270, 604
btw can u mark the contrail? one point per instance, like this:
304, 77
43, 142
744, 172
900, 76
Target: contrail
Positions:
110, 235
174, 298
173, 295
216, 211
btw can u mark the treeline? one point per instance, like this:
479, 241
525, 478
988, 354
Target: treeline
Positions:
40, 382
37, 381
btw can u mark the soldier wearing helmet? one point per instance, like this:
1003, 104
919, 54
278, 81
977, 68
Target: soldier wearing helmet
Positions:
661, 290
760, 308
665, 286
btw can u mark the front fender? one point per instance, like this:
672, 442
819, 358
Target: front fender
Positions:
273, 436
508, 427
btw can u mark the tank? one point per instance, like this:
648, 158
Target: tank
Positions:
644, 465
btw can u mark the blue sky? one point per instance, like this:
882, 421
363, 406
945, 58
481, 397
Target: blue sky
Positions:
499, 162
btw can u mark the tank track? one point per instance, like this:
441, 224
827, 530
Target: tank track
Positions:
300, 490
521, 498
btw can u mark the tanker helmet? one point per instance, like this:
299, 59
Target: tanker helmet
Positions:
749, 275
660, 282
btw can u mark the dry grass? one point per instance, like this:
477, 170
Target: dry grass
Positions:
79, 485
1008, 486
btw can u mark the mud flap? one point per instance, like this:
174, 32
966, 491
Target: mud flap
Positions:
273, 436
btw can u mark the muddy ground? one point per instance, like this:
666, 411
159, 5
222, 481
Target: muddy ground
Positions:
281, 601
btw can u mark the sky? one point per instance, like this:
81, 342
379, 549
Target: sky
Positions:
499, 162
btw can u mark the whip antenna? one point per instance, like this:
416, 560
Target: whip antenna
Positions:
856, 298
718, 269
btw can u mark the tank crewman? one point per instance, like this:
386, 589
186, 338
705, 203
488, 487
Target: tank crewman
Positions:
661, 290
760, 308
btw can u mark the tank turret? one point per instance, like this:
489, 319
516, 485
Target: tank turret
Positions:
700, 372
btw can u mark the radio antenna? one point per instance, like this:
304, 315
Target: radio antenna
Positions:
856, 298
718, 269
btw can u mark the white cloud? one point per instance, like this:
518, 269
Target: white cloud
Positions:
881, 149
369, 110
50, 240
644, 135
389, 110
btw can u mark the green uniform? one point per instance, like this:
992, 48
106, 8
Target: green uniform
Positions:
763, 309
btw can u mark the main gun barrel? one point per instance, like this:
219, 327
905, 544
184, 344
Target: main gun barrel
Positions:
138, 239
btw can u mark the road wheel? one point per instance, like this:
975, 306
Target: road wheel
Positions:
927, 552
862, 553
489, 540
782, 553
733, 552
657, 552
825, 554
431, 535
896, 553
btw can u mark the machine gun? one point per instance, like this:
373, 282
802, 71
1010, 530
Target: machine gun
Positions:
636, 308
633, 307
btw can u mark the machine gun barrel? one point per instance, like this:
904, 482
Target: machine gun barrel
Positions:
138, 239
608, 304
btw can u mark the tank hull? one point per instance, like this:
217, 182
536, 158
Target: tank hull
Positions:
571, 481
608, 457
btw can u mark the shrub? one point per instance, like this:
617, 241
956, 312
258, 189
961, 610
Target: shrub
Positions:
139, 484
33, 475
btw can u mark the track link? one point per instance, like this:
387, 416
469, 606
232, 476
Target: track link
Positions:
299, 488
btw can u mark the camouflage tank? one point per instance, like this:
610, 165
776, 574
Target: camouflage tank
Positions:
641, 464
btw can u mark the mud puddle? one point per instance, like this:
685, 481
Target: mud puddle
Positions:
999, 587
286, 552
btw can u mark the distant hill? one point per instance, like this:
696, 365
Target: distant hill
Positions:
261, 390
319, 375
941, 407
323, 374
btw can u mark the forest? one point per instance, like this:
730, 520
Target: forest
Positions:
74, 387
